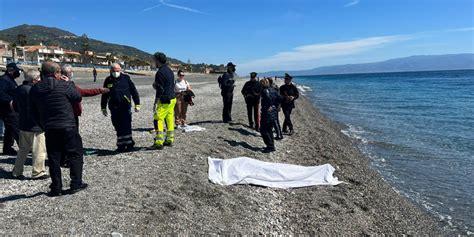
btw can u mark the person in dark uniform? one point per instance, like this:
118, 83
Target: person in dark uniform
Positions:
290, 93
270, 100
227, 84
119, 99
94, 73
251, 92
276, 124
7, 114
51, 102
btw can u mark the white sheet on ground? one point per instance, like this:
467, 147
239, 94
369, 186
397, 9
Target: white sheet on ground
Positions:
192, 128
244, 170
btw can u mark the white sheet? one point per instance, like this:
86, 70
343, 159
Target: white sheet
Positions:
244, 170
192, 128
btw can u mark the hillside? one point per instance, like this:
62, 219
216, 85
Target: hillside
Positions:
36, 34
407, 64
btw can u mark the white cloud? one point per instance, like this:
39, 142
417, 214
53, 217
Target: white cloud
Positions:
163, 3
306, 56
461, 29
350, 4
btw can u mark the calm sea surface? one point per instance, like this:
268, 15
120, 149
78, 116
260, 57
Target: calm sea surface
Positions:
416, 127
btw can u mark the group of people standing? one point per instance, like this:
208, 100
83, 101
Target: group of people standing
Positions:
265, 94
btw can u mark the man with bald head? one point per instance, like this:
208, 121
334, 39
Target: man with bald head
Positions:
51, 101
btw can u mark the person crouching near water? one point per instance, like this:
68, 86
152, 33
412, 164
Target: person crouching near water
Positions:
270, 100
181, 88
290, 93
251, 92
122, 91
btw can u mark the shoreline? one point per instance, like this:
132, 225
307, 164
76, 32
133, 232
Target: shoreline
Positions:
150, 192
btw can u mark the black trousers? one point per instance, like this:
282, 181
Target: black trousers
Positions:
277, 127
69, 142
227, 98
10, 122
267, 132
122, 121
287, 124
253, 108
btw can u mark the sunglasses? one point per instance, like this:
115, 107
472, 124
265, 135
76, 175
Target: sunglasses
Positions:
181, 75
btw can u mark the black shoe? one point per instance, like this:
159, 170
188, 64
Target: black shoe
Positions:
167, 143
75, 190
285, 131
9, 152
19, 177
131, 149
54, 193
42, 177
279, 138
268, 150
291, 132
155, 147
120, 149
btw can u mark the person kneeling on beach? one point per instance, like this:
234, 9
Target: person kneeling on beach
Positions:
31, 135
121, 92
165, 102
51, 101
270, 100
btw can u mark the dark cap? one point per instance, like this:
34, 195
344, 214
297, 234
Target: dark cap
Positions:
287, 76
253, 74
12, 66
161, 57
230, 64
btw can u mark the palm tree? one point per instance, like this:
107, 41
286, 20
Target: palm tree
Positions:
12, 47
125, 59
21, 39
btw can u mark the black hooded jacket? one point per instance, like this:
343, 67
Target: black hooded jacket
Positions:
27, 123
7, 91
51, 102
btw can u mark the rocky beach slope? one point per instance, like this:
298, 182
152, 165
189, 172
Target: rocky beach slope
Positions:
166, 192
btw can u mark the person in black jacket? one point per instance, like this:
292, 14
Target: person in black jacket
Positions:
227, 84
7, 114
31, 135
119, 99
290, 93
276, 124
270, 100
165, 100
251, 92
50, 102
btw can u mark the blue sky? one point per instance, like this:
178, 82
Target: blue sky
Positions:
263, 35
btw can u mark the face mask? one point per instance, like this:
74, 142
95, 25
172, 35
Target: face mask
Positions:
116, 74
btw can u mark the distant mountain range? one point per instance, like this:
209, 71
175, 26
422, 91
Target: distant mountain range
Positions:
36, 34
413, 63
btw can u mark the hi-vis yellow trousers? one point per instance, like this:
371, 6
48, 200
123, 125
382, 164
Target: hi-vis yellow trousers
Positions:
165, 113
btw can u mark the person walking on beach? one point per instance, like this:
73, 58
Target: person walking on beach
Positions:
227, 84
119, 99
181, 88
276, 124
7, 114
270, 100
31, 135
165, 102
251, 92
290, 93
94, 73
51, 101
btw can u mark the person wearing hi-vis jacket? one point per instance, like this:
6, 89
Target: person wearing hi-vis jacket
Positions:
119, 100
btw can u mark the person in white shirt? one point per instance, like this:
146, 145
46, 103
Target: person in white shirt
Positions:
181, 87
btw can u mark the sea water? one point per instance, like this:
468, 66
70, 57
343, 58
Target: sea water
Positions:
417, 128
